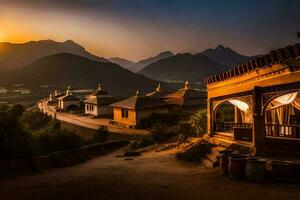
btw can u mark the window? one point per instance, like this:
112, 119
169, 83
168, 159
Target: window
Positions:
124, 113
87, 106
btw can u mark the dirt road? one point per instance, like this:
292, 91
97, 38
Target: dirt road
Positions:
151, 176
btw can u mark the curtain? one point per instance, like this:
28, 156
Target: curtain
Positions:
296, 102
242, 111
283, 100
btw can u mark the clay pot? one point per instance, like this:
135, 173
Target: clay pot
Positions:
236, 166
255, 169
224, 160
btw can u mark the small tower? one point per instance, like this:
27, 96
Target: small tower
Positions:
68, 92
186, 85
50, 97
99, 87
55, 93
137, 93
158, 87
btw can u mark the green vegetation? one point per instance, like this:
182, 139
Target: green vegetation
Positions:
176, 125
25, 134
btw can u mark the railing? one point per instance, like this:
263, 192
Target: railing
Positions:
284, 130
229, 126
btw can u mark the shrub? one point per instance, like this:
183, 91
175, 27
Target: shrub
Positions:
198, 122
185, 128
16, 111
161, 134
35, 120
15, 142
101, 135
53, 139
171, 118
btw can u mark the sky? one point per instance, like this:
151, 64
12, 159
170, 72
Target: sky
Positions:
137, 29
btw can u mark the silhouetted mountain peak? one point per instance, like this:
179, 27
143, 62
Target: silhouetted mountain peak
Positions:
225, 56
165, 54
220, 47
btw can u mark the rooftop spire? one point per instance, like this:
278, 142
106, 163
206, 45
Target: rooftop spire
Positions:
68, 92
158, 87
99, 87
186, 85
137, 93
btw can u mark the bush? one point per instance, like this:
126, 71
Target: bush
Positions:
15, 142
171, 118
101, 135
53, 139
198, 122
35, 120
185, 128
161, 134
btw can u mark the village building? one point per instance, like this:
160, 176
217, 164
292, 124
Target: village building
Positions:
68, 100
264, 95
131, 111
159, 93
187, 98
98, 103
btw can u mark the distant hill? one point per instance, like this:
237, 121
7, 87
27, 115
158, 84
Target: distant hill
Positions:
65, 69
143, 63
14, 56
127, 64
225, 56
182, 67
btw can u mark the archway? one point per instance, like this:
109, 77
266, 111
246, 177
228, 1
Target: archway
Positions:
233, 118
282, 116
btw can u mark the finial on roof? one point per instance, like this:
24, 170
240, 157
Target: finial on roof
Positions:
99, 86
55, 93
186, 85
137, 93
158, 87
68, 90
50, 97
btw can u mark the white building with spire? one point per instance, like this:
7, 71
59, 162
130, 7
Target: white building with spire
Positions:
97, 103
68, 100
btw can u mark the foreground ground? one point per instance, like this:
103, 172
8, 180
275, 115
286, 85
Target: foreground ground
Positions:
150, 176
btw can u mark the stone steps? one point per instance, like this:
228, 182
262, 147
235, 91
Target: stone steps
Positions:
212, 159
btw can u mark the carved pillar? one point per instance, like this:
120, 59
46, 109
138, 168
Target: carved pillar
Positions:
209, 118
258, 130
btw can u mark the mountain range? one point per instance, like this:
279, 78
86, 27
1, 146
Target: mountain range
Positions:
62, 63
14, 56
135, 67
195, 67
65, 69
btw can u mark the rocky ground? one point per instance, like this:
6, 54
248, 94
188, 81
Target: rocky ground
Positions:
153, 175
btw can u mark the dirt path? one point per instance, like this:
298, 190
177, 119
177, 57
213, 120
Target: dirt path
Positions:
151, 176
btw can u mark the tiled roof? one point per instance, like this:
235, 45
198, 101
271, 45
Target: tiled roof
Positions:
138, 102
69, 97
186, 93
274, 57
100, 101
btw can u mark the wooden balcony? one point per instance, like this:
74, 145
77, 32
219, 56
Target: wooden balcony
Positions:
283, 131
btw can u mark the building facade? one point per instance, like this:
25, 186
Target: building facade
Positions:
98, 103
68, 100
131, 111
264, 94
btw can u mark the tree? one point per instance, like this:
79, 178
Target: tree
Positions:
16, 111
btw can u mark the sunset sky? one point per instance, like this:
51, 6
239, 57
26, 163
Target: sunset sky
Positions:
137, 29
